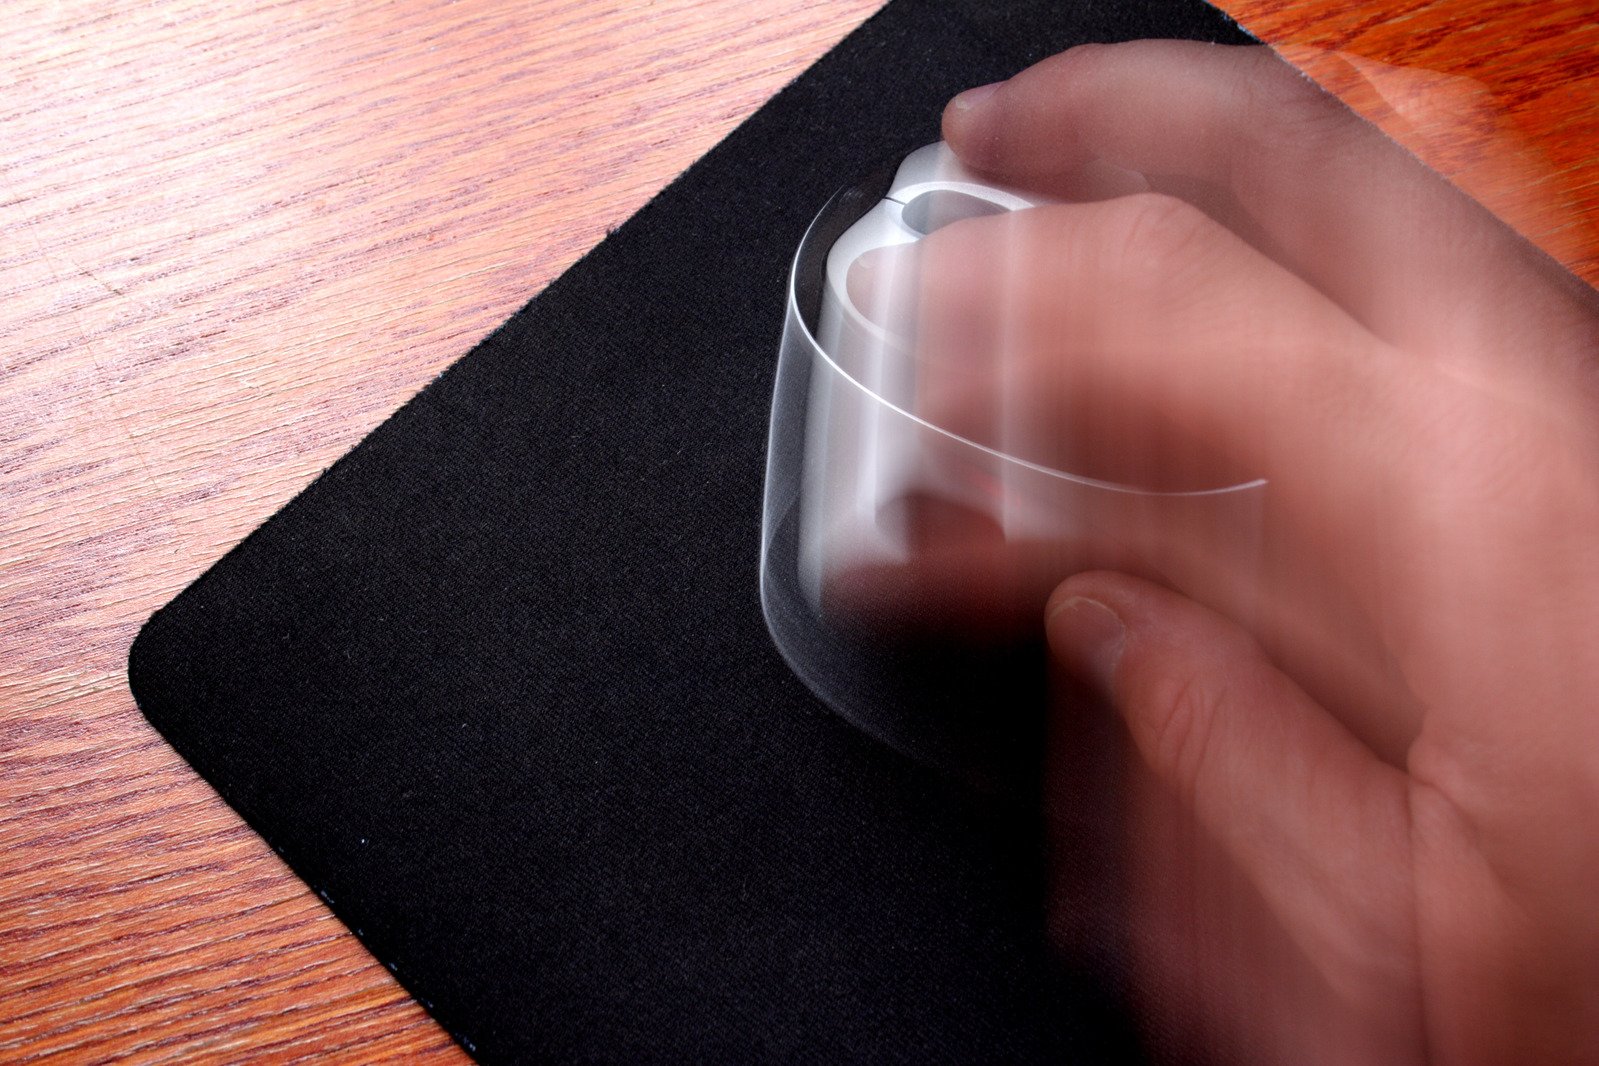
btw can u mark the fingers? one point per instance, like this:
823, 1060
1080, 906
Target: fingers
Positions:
1317, 824
1259, 146
1138, 341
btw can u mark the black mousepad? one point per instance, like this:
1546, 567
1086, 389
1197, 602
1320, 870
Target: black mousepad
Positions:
498, 687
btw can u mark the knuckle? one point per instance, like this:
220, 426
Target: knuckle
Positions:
1179, 719
1299, 111
1152, 238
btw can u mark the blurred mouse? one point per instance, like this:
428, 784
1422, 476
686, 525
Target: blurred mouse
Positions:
882, 458
930, 190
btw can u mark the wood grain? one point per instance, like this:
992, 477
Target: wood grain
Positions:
230, 243
1502, 98
233, 242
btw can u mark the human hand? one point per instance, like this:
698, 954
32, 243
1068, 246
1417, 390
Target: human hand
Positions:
1362, 816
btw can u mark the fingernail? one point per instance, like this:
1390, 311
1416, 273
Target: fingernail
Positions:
972, 99
1088, 637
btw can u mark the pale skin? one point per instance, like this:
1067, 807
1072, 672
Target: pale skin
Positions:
1363, 815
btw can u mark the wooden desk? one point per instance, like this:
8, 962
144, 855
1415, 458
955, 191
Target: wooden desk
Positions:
231, 245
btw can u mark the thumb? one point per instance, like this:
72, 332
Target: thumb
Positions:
1313, 820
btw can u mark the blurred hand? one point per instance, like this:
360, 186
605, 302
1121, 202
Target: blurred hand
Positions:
1363, 823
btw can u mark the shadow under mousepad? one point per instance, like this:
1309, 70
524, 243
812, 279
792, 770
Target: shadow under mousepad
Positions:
497, 685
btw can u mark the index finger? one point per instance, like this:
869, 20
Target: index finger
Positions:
1258, 146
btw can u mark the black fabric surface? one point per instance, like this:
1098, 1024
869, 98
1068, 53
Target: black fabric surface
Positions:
498, 687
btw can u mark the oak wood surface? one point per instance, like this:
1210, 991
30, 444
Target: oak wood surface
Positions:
230, 243
1501, 96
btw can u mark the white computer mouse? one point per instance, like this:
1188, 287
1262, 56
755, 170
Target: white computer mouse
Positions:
873, 445
930, 190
